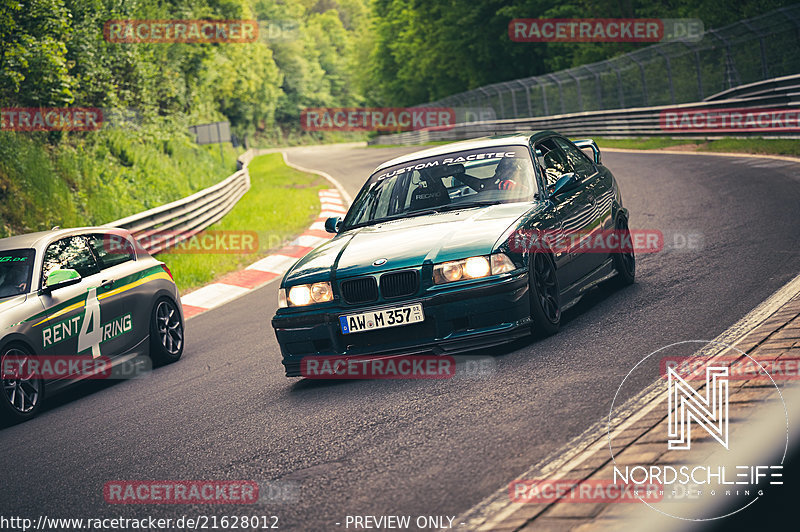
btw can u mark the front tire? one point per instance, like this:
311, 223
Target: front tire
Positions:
166, 333
22, 397
544, 291
624, 261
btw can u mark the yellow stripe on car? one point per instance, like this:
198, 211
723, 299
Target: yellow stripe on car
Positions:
129, 286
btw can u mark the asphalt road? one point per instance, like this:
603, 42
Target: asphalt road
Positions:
418, 447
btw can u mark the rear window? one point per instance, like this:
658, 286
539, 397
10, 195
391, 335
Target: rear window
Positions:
111, 249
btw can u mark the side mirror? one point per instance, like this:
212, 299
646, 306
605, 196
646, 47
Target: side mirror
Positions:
60, 278
332, 225
589, 144
565, 183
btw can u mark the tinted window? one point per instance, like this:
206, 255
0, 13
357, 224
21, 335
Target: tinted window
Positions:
111, 250
72, 252
16, 268
577, 159
552, 160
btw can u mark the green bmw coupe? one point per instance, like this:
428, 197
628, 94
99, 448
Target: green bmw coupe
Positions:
455, 248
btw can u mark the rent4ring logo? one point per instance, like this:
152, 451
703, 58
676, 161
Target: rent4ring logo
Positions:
715, 445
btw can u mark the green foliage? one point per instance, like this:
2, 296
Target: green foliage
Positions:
103, 177
423, 51
53, 53
339, 53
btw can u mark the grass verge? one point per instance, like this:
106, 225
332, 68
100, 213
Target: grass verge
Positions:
759, 146
755, 145
281, 203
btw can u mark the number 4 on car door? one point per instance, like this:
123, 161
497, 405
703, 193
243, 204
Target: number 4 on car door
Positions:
91, 333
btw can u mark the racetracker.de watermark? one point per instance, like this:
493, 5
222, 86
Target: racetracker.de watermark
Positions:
582, 491
604, 30
731, 120
584, 241
181, 492
401, 367
180, 31
175, 242
51, 118
377, 118
52, 367
764, 370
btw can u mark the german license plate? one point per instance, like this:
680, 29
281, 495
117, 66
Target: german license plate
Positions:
381, 319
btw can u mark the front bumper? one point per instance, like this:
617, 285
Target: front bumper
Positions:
457, 319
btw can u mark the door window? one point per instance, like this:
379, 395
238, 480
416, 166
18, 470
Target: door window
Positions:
72, 252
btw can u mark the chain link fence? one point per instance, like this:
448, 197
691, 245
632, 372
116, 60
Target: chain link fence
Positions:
756, 49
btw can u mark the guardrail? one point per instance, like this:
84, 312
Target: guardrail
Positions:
666, 73
781, 93
165, 226
782, 85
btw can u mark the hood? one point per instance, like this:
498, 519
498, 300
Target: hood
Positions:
409, 242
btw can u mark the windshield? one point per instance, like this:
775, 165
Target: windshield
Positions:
485, 176
16, 267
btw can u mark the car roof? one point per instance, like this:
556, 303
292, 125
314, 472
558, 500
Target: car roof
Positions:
34, 240
520, 139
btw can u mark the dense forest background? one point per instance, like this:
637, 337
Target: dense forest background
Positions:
337, 53
342, 53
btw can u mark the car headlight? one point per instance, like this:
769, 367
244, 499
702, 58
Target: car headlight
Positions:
472, 268
305, 294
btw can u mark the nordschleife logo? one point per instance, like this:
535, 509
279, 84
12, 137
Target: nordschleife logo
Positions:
709, 410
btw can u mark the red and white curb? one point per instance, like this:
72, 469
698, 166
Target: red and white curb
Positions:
236, 284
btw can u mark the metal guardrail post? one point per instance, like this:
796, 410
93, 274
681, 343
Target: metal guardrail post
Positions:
486, 94
527, 95
544, 100
500, 100
697, 66
764, 67
731, 75
560, 91
619, 84
632, 57
597, 83
513, 99
669, 73
569, 73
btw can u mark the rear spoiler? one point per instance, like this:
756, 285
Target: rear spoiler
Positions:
589, 143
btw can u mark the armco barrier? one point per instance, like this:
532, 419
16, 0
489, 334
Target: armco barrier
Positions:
174, 222
780, 93
666, 73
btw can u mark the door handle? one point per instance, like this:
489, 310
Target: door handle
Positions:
107, 284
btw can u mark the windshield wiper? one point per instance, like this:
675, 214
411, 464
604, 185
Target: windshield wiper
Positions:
470, 205
393, 217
